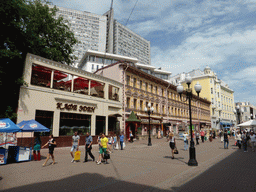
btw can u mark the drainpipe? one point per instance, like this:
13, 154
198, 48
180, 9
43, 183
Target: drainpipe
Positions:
124, 97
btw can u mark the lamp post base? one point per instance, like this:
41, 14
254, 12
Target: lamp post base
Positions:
149, 142
192, 157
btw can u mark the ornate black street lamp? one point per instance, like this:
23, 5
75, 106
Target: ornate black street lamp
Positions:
239, 111
192, 151
148, 109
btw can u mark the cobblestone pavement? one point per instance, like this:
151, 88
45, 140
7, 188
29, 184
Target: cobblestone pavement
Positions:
137, 168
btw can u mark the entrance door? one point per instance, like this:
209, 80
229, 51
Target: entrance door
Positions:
100, 125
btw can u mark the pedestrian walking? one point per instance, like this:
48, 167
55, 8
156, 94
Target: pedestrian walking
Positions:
197, 138
37, 147
131, 137
221, 136
202, 135
244, 140
210, 136
121, 140
51, 144
88, 147
104, 146
185, 135
238, 138
226, 139
99, 143
172, 143
110, 142
252, 140
75, 145
114, 141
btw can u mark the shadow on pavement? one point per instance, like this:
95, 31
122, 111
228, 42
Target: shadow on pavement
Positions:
234, 173
85, 182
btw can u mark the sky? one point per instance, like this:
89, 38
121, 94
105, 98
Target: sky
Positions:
191, 34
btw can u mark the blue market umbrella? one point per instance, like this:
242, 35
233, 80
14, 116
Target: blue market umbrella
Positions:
32, 126
6, 125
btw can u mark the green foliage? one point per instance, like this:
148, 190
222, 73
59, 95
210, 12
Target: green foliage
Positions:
29, 26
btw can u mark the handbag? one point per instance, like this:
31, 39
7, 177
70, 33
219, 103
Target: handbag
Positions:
117, 147
176, 151
106, 156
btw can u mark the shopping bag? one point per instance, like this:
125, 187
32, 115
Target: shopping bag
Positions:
176, 151
123, 145
106, 156
77, 155
117, 147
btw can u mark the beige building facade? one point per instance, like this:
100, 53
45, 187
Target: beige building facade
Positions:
66, 99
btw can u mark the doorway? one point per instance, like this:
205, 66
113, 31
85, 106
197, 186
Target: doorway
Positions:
100, 125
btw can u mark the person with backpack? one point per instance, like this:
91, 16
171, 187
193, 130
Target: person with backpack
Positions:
238, 138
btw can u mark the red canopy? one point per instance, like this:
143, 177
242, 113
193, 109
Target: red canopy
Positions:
46, 72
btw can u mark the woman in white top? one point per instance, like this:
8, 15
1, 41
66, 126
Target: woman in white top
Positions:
172, 143
253, 140
239, 139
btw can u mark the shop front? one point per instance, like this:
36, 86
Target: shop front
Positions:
68, 100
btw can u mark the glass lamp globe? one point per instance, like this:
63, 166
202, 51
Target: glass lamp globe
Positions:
180, 88
188, 79
198, 87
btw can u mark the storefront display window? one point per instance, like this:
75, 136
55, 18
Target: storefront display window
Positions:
81, 85
72, 122
113, 93
41, 76
46, 119
97, 89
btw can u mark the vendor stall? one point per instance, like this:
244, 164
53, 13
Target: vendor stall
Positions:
6, 126
25, 153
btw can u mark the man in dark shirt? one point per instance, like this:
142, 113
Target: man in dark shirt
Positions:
226, 139
88, 147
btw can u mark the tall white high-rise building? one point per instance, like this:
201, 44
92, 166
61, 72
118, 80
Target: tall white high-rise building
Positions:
104, 34
88, 28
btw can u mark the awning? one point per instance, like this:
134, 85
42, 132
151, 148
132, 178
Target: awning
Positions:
132, 118
115, 115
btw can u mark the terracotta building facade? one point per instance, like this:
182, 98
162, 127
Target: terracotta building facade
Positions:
170, 113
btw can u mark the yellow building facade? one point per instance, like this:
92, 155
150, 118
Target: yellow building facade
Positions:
218, 93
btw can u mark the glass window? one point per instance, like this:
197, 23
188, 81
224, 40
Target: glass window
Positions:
81, 85
41, 76
113, 93
128, 102
151, 88
140, 84
46, 119
72, 122
97, 89
211, 90
62, 81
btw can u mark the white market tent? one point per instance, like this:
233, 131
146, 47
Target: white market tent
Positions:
250, 123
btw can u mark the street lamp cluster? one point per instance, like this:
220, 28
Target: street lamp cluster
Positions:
150, 109
239, 111
192, 151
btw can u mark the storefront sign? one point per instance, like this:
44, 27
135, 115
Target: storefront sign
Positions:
152, 121
74, 107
